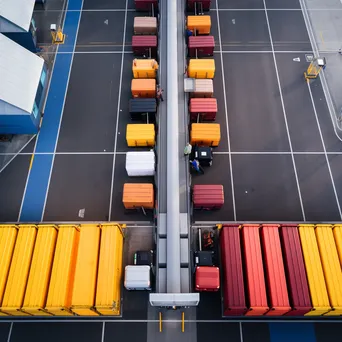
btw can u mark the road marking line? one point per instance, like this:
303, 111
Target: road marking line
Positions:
10, 333
284, 112
118, 114
226, 112
241, 333
103, 331
326, 156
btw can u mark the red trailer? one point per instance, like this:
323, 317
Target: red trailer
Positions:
202, 5
254, 270
207, 278
278, 297
203, 109
295, 271
204, 45
234, 302
146, 5
208, 197
145, 46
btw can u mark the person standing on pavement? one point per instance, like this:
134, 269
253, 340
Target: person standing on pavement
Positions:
187, 149
197, 167
160, 94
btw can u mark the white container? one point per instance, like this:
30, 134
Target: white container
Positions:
140, 163
138, 277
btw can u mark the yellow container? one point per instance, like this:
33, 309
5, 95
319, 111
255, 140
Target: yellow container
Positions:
8, 235
331, 267
200, 23
63, 269
109, 279
338, 240
314, 271
19, 271
144, 68
201, 68
140, 135
39, 277
205, 134
83, 296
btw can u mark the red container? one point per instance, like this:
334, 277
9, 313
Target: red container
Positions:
200, 5
203, 44
254, 271
144, 45
146, 5
207, 278
203, 108
208, 197
295, 271
234, 302
278, 297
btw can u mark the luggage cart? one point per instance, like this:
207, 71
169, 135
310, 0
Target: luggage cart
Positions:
204, 154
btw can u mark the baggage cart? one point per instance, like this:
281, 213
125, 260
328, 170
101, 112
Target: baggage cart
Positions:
8, 236
143, 88
145, 46
205, 134
201, 68
297, 281
314, 271
40, 272
146, 6
109, 277
143, 109
198, 5
331, 267
203, 109
145, 25
199, 88
140, 163
207, 278
338, 240
234, 301
140, 135
18, 273
203, 154
254, 271
208, 197
201, 46
144, 68
138, 278
199, 24
138, 196
83, 295
278, 298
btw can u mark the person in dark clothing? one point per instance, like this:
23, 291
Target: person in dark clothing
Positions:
160, 94
196, 166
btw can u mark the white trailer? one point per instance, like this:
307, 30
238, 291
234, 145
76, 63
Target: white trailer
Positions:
140, 163
138, 277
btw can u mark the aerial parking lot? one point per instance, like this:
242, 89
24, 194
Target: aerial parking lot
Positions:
279, 157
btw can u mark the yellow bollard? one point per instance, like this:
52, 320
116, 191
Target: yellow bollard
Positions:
182, 322
160, 322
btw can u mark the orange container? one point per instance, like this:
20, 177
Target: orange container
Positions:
137, 195
143, 87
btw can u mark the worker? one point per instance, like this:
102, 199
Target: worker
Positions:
340, 50
187, 149
159, 93
196, 166
135, 62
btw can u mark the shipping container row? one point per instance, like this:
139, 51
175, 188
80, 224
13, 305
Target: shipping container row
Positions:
276, 270
64, 270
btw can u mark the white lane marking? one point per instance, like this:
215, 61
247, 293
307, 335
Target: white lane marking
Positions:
284, 112
10, 333
103, 331
324, 148
226, 112
118, 114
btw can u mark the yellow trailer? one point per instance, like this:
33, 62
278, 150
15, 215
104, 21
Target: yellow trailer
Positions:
199, 23
140, 135
63, 269
314, 271
83, 296
338, 240
8, 235
109, 279
207, 134
39, 277
331, 267
19, 271
201, 68
144, 68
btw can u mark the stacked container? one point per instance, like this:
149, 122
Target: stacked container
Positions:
142, 107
